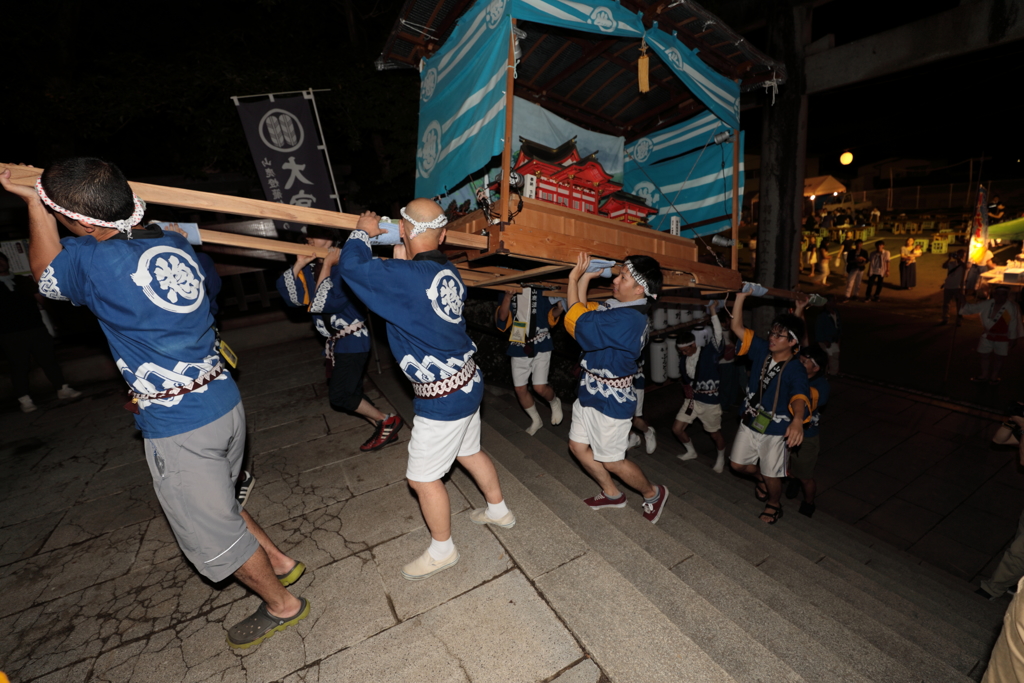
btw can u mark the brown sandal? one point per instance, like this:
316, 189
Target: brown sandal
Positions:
761, 491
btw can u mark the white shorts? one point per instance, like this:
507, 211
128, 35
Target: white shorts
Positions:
538, 366
771, 451
434, 445
607, 436
639, 412
709, 414
986, 345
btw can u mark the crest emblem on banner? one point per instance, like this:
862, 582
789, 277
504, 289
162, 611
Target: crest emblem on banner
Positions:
428, 85
170, 279
642, 149
494, 12
675, 58
602, 18
281, 131
648, 192
429, 150
446, 296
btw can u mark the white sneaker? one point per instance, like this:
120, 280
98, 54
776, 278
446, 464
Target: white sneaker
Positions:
27, 406
426, 566
67, 392
634, 440
479, 516
652, 440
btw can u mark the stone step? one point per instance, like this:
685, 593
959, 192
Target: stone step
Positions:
822, 537
728, 587
897, 633
586, 591
642, 554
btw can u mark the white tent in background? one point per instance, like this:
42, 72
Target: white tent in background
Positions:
822, 185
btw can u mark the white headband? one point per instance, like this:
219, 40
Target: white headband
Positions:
123, 226
418, 227
640, 280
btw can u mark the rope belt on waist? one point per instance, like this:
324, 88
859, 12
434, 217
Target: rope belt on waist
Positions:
614, 382
443, 387
343, 332
199, 382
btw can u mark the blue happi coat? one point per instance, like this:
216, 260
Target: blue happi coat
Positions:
544, 320
612, 336
422, 301
795, 386
149, 297
330, 304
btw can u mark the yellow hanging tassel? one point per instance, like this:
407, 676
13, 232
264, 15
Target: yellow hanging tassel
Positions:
641, 68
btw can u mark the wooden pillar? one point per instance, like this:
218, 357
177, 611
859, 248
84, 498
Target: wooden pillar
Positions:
783, 156
735, 261
506, 152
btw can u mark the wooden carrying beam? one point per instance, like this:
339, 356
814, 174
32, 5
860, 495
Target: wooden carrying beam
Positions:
242, 206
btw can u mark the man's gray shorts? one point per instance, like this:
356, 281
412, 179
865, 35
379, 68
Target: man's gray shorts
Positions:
194, 476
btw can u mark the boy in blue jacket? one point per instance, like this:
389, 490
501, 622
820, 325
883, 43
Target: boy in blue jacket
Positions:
775, 407
612, 336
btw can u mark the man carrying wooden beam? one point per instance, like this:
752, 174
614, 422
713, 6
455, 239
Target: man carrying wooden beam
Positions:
528, 318
316, 284
421, 296
146, 288
612, 336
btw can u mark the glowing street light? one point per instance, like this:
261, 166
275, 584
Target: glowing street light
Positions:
846, 158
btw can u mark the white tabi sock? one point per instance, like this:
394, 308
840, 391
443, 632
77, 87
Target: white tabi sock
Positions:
720, 462
440, 550
496, 510
537, 422
556, 411
691, 452
652, 440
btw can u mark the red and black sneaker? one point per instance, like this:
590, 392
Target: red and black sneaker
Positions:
386, 432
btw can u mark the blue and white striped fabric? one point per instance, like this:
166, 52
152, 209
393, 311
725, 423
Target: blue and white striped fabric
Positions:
673, 141
718, 93
596, 16
697, 185
462, 100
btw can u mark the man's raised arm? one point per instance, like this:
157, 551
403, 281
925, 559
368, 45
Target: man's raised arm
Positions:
43, 238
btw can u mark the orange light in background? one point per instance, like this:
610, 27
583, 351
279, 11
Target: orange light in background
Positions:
846, 158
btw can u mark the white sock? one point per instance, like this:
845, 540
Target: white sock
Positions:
535, 416
25, 399
720, 462
496, 510
440, 550
652, 440
556, 411
634, 440
691, 452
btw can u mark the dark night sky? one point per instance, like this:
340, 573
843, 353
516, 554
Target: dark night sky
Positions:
152, 93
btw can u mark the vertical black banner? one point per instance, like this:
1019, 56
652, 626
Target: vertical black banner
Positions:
286, 148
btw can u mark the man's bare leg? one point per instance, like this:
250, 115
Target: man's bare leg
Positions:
585, 454
631, 474
370, 411
258, 575
279, 562
435, 506
482, 470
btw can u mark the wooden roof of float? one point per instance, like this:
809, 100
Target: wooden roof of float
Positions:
591, 79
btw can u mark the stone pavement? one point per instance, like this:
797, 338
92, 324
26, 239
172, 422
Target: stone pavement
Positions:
96, 589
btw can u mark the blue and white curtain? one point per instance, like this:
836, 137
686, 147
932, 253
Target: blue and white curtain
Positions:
683, 137
696, 186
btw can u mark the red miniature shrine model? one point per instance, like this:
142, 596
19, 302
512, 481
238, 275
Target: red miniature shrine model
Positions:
628, 208
563, 177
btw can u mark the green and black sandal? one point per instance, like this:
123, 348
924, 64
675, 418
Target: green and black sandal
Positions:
261, 624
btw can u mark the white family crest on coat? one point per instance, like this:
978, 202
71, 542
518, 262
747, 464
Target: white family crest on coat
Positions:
446, 295
48, 285
150, 378
178, 278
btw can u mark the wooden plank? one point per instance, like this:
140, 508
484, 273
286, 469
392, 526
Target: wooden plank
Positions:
241, 206
523, 275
